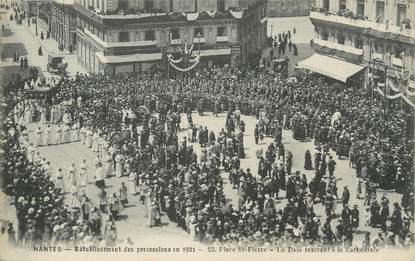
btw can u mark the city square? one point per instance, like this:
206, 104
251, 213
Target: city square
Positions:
261, 133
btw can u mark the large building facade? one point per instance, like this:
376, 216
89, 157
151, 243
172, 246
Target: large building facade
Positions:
63, 23
131, 36
288, 8
373, 39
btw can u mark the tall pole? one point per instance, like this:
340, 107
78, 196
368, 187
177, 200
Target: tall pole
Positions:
37, 15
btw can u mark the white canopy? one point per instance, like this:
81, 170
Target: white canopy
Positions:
331, 67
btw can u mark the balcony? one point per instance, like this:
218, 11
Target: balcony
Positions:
340, 47
221, 38
377, 56
199, 40
397, 61
362, 24
118, 44
175, 41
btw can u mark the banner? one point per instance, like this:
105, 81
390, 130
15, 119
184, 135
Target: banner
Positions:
392, 97
188, 68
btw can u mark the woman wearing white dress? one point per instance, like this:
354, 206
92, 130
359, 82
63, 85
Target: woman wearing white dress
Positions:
83, 174
82, 134
46, 136
43, 115
132, 181
59, 181
95, 138
119, 162
57, 140
65, 133
28, 115
75, 202
38, 138
97, 161
72, 175
75, 133
52, 114
88, 138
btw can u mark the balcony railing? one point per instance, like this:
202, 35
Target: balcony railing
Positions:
364, 24
118, 44
397, 61
340, 47
199, 40
175, 41
222, 38
377, 56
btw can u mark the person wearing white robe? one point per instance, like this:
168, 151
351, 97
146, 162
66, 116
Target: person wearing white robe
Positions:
31, 152
88, 142
119, 162
104, 147
28, 116
82, 133
43, 115
75, 132
97, 161
74, 203
99, 176
72, 175
59, 180
83, 174
26, 86
48, 169
52, 114
132, 181
58, 135
65, 133
46, 136
95, 139
38, 138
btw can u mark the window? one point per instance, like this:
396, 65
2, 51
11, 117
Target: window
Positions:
326, 4
148, 5
401, 14
123, 4
198, 32
340, 39
398, 52
221, 31
342, 4
175, 34
380, 11
123, 37
325, 36
360, 8
221, 5
149, 36
358, 44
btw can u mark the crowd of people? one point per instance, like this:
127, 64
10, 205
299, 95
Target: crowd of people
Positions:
132, 122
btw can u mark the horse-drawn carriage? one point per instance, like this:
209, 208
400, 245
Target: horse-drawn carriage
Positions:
55, 64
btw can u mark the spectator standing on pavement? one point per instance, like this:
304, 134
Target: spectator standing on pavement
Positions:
40, 51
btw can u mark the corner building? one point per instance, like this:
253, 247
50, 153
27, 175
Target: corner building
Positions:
134, 35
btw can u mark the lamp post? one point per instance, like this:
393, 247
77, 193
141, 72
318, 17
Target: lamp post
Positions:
37, 15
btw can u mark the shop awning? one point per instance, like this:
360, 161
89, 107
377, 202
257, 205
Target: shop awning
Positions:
140, 57
331, 67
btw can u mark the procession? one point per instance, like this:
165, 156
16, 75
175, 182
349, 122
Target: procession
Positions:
134, 124
262, 150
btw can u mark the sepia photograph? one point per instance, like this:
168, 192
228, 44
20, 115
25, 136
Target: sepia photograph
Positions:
207, 130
